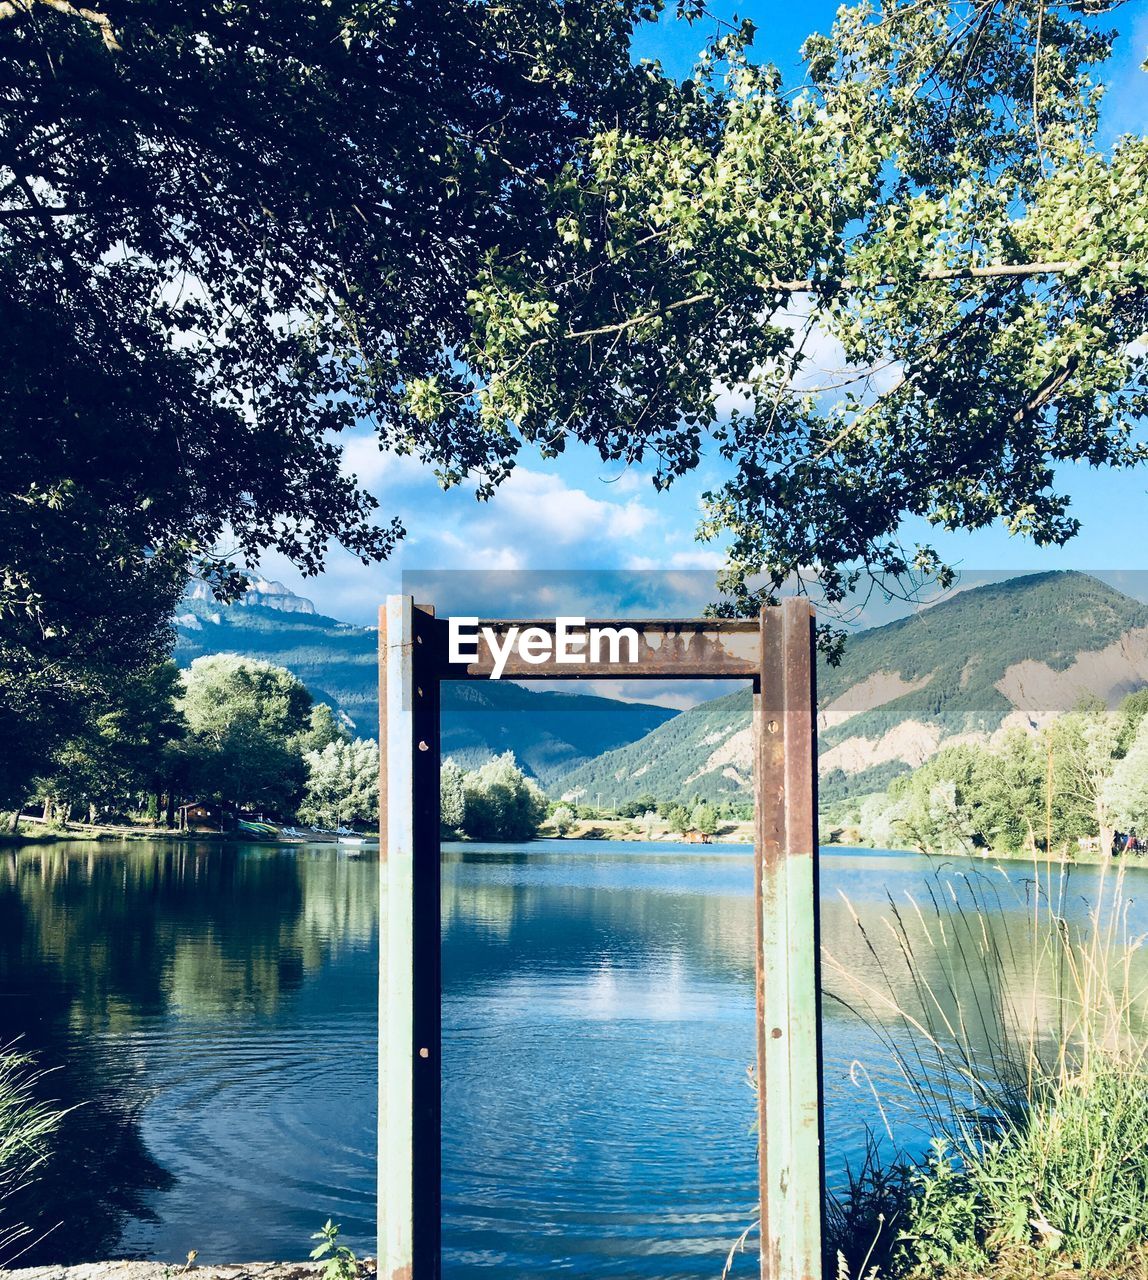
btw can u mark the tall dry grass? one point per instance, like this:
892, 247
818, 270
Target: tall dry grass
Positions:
1020, 1039
27, 1127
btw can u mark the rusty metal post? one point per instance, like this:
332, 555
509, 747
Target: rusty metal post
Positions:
409, 996
788, 1021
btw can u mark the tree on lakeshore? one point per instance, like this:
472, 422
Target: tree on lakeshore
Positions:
247, 719
562, 819
452, 797
502, 803
1130, 717
324, 729
703, 819
1083, 744
1013, 792
342, 784
638, 807
678, 818
224, 689
1126, 791
120, 755
939, 802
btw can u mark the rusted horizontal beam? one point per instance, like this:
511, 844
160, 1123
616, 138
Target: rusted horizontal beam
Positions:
677, 649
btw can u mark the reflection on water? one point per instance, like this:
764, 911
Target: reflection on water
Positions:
599, 1013
216, 1009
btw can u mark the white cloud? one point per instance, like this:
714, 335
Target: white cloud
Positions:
824, 370
373, 466
696, 558
536, 520
539, 505
499, 559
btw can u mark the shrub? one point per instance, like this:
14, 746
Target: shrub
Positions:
562, 819
501, 802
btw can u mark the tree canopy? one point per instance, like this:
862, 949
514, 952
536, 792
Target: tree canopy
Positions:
232, 732
229, 232
250, 724
930, 213
342, 784
496, 801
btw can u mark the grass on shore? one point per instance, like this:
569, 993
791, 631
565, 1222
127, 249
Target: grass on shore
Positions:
27, 1126
1026, 1053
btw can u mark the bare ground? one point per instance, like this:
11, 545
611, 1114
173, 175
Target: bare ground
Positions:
180, 1271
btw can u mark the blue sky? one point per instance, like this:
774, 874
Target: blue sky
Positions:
580, 514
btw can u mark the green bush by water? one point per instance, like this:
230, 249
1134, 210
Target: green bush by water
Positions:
1069, 1184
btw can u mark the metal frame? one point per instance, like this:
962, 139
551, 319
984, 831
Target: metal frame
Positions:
774, 652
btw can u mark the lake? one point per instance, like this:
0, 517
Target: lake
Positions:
214, 1013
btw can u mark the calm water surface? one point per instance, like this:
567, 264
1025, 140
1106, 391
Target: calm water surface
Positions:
215, 1013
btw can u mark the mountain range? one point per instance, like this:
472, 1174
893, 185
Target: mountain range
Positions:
968, 668
549, 733
1011, 653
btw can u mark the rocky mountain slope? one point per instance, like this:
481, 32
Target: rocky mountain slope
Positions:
1012, 653
549, 733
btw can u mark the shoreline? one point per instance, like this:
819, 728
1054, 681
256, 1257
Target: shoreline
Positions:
109, 835
627, 831
1094, 859
605, 830
141, 1269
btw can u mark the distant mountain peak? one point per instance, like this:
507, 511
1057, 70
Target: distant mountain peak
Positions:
262, 594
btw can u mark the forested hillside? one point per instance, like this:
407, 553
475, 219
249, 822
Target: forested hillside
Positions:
1011, 653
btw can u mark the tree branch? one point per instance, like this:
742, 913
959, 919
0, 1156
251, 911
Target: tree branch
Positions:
10, 8
992, 271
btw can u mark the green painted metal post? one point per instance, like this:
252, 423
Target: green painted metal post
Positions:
788, 1014
396, 940
410, 1107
